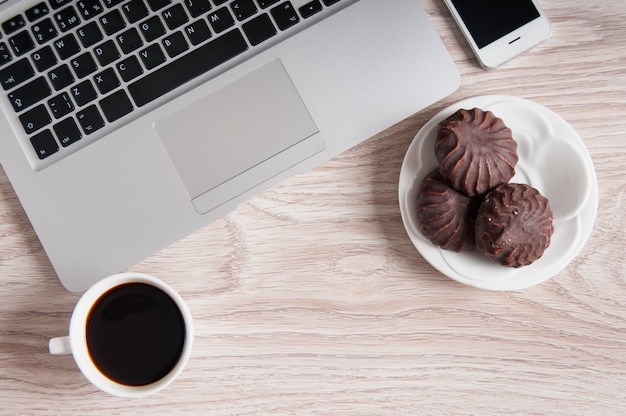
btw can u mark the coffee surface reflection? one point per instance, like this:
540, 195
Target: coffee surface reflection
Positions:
135, 334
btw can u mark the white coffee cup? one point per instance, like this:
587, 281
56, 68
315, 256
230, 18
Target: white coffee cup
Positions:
130, 334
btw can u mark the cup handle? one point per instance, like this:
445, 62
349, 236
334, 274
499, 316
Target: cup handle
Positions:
60, 346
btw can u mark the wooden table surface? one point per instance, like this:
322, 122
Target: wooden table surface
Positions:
311, 299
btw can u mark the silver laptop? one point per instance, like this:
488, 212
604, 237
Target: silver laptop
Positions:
128, 124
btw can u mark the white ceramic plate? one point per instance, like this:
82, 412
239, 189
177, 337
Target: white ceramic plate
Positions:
552, 159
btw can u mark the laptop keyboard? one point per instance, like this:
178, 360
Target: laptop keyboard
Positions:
74, 70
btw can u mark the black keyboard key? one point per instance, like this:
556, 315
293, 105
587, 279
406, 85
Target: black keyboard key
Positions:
16, 73
83, 93
35, 119
44, 58
129, 40
106, 53
243, 9
44, 31
159, 4
13, 24
285, 15
175, 44
267, 3
89, 34
198, 32
67, 46
135, 10
67, 19
67, 131
44, 144
221, 20
37, 11
89, 8
187, 67
175, 16
60, 105
116, 105
61, 77
152, 56
152, 28
29, 94
90, 119
111, 3
5, 54
198, 7
310, 8
259, 29
112, 22
129, 68
219, 2
83, 65
57, 4
330, 2
106, 81
21, 43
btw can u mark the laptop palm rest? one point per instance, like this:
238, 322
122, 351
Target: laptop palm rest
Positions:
239, 136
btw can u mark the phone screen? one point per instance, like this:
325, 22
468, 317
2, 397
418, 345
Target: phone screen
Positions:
489, 20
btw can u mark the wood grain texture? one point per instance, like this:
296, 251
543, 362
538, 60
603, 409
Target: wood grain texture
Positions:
310, 298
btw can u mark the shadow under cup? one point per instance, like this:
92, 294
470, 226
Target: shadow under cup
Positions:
130, 335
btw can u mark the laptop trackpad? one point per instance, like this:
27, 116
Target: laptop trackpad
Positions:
239, 136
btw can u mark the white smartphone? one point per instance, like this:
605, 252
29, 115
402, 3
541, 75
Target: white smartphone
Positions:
499, 30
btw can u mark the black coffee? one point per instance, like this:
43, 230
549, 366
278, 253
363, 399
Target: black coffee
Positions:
135, 334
